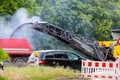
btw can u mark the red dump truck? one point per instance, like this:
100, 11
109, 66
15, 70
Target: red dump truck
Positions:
18, 49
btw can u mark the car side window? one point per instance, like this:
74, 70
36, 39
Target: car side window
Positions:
72, 56
41, 56
49, 55
61, 55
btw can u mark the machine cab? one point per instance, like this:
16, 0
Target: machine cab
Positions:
115, 33
116, 37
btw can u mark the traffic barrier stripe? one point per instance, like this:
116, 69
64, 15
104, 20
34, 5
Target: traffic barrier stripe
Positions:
102, 70
98, 64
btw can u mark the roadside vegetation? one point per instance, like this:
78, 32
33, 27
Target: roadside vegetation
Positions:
3, 55
37, 73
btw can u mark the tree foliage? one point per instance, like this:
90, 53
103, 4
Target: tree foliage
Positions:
89, 18
8, 7
3, 55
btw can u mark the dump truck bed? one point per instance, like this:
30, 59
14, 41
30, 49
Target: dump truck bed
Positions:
16, 46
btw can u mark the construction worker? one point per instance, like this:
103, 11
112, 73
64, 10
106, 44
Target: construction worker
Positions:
32, 57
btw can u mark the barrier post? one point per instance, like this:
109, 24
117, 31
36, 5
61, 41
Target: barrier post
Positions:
118, 69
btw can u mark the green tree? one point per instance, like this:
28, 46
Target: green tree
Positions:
3, 55
8, 7
92, 18
68, 14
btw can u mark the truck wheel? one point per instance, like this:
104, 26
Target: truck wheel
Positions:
20, 62
7, 63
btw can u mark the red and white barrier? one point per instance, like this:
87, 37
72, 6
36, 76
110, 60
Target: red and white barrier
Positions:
100, 70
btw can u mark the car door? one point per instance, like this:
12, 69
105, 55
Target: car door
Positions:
74, 60
49, 59
61, 59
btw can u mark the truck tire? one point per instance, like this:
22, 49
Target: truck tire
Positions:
7, 63
20, 62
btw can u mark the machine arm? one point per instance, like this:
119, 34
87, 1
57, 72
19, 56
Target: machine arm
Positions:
64, 36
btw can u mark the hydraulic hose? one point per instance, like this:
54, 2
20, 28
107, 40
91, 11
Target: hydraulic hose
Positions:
98, 53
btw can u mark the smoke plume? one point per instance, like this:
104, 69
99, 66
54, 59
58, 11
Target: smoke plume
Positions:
21, 16
37, 39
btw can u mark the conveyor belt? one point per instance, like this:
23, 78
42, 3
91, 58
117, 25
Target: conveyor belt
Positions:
63, 36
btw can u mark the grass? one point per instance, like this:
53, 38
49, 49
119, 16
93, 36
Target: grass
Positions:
3, 78
37, 73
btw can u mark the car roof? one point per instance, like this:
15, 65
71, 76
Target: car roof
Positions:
53, 51
45, 51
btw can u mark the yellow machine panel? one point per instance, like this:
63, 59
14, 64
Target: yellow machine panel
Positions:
116, 51
106, 43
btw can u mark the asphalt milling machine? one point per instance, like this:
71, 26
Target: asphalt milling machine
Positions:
95, 50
